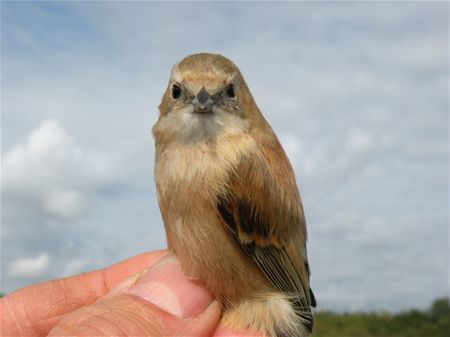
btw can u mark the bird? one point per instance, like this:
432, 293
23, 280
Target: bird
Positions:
229, 200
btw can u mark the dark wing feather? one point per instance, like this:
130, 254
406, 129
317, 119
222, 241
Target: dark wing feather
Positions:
264, 222
276, 266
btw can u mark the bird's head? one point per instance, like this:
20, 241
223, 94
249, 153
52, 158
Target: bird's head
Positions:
206, 96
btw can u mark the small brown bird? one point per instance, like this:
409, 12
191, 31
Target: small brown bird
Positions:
229, 200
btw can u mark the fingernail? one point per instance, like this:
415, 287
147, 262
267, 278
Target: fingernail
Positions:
165, 286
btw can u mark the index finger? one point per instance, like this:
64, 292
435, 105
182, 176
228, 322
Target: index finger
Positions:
34, 310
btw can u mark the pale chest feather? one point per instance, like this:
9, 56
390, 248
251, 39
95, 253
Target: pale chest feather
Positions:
200, 168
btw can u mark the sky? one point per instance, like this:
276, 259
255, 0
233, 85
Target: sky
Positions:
356, 92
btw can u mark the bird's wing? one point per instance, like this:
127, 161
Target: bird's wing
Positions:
262, 208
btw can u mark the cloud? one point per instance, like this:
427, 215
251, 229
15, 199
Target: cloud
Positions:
52, 174
30, 267
65, 204
74, 202
76, 265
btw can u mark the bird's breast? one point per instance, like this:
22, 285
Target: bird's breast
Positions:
200, 167
189, 179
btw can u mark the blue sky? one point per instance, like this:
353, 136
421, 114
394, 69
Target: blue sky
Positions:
357, 93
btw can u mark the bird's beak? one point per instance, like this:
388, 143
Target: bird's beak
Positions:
203, 102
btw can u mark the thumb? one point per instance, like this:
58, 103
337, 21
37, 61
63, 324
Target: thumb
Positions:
159, 301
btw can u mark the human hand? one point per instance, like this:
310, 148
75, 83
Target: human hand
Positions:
147, 295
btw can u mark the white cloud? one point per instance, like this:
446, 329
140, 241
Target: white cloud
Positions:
66, 204
51, 174
30, 267
359, 140
76, 265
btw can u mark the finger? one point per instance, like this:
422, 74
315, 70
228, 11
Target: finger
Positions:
34, 310
162, 302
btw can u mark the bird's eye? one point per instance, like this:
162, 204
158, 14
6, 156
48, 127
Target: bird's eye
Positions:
176, 91
230, 91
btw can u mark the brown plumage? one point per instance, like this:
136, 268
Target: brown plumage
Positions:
229, 200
